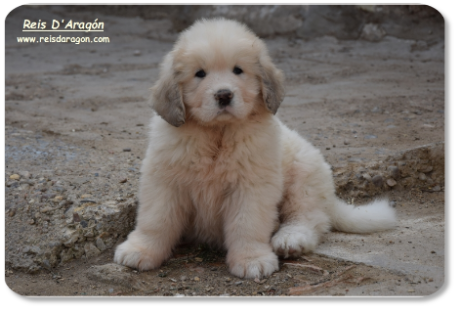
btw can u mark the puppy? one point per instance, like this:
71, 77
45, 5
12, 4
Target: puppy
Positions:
222, 169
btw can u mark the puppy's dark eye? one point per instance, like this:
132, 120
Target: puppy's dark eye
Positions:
237, 70
200, 74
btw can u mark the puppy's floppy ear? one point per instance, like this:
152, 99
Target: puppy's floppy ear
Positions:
167, 96
272, 84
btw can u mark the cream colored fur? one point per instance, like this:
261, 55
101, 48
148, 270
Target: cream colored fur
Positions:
234, 176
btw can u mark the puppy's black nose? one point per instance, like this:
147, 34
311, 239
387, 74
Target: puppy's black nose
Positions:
223, 97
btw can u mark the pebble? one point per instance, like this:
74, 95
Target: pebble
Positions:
372, 32
370, 136
391, 182
137, 53
59, 189
426, 169
12, 213
377, 180
100, 244
196, 278
346, 142
91, 250
31, 221
366, 176
25, 174
58, 198
76, 217
436, 189
126, 149
15, 177
394, 171
422, 176
122, 181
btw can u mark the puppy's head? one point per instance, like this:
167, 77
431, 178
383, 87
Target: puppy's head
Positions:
218, 72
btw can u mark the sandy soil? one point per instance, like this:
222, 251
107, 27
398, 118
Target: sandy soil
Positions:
71, 110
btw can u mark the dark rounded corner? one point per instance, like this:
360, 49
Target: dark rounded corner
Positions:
15, 9
12, 290
434, 9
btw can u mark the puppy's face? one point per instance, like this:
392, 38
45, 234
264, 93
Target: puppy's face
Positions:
220, 88
218, 72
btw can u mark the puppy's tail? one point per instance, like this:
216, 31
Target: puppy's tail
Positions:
376, 216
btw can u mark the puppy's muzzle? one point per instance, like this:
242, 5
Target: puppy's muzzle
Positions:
223, 98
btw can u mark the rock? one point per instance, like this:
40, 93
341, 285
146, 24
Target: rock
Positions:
391, 182
137, 53
425, 168
91, 250
346, 142
126, 149
70, 237
112, 274
25, 174
436, 189
59, 189
422, 176
66, 255
394, 171
370, 136
76, 217
373, 32
367, 177
100, 244
15, 177
377, 180
58, 198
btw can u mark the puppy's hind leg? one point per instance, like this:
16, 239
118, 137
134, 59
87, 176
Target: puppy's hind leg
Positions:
160, 223
303, 217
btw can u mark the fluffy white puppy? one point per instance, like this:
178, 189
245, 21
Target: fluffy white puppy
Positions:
221, 168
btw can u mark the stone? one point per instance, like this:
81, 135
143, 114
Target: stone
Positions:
25, 174
367, 177
394, 171
100, 244
422, 176
373, 32
113, 274
377, 180
15, 177
425, 168
91, 250
391, 182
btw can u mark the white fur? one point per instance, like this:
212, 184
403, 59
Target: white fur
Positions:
230, 176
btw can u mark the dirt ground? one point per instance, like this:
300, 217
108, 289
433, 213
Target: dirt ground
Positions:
76, 118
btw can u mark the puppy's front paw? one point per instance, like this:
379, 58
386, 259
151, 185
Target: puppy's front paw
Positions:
135, 256
294, 240
250, 266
